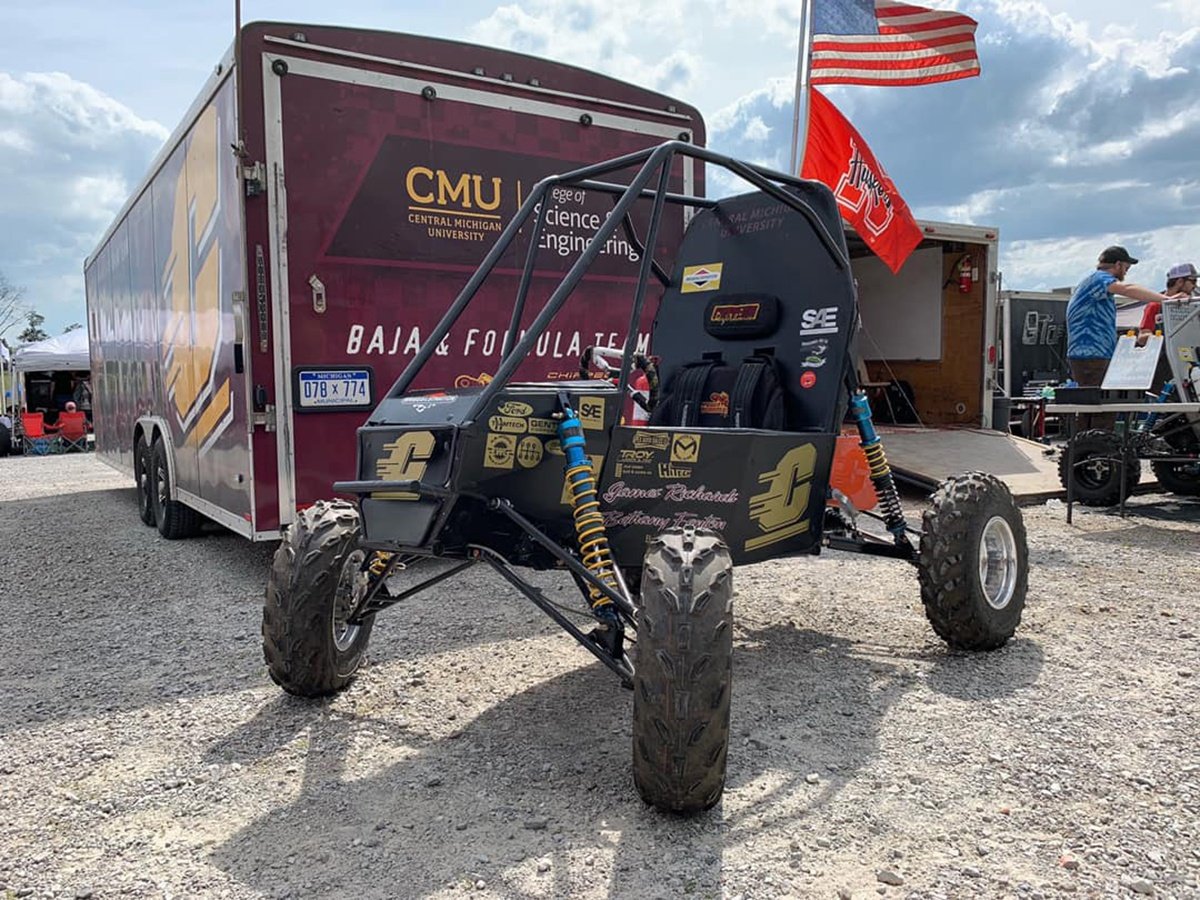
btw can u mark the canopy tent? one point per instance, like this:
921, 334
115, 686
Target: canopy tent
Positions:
63, 352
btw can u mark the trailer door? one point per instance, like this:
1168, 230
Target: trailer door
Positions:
386, 193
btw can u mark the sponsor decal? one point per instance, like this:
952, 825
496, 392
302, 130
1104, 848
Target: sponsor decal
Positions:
717, 404
514, 408
636, 455
813, 353
406, 460
591, 412
808, 379
779, 511
468, 381
508, 424
734, 312
430, 399
543, 426
697, 279
500, 450
685, 448
818, 321
672, 493
529, 452
670, 470
554, 447
652, 440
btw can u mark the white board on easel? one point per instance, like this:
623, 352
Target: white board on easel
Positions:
1132, 367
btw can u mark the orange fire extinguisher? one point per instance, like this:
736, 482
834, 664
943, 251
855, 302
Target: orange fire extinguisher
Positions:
964, 274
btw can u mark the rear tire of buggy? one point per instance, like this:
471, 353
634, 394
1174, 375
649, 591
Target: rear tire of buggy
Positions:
1182, 479
315, 575
1098, 470
974, 562
175, 519
142, 473
683, 671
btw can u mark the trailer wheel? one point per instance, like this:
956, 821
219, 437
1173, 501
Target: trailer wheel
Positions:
174, 519
143, 474
974, 562
1097, 475
316, 579
683, 668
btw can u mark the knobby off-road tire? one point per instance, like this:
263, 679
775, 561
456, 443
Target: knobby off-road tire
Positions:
974, 562
1180, 478
316, 578
1097, 473
175, 520
143, 477
683, 663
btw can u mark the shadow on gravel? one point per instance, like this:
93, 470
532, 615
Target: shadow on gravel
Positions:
1171, 541
987, 676
1163, 507
545, 776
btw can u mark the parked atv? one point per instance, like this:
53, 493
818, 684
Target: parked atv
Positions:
751, 349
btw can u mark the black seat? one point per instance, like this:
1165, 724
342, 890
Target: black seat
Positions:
754, 330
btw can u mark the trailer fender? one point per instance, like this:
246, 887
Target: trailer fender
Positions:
155, 428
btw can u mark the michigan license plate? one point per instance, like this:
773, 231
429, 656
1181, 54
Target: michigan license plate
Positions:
333, 388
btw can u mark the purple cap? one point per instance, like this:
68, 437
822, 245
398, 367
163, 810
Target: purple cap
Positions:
1183, 270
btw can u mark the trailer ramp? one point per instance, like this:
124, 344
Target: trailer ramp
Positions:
927, 456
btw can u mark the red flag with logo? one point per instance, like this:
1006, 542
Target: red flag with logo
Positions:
837, 155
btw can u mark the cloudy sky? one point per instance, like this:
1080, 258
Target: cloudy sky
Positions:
1084, 129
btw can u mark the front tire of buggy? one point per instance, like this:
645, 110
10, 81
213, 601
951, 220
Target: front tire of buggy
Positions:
974, 562
316, 579
683, 671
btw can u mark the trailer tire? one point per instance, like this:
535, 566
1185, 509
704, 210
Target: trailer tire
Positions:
314, 577
1097, 480
142, 474
683, 671
974, 562
175, 520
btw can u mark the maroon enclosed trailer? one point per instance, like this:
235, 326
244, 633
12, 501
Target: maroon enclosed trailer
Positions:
326, 197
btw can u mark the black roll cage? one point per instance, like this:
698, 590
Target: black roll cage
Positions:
652, 160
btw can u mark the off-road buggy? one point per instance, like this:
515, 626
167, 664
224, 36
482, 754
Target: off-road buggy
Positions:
1164, 435
751, 346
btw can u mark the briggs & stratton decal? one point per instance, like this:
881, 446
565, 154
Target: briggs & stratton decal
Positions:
697, 279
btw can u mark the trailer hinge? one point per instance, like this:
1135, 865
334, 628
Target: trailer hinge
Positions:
264, 419
255, 177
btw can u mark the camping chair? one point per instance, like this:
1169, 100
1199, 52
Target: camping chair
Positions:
35, 440
72, 429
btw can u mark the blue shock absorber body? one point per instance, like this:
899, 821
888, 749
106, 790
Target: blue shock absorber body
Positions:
881, 473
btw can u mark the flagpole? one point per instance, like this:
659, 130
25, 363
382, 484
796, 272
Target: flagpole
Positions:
800, 104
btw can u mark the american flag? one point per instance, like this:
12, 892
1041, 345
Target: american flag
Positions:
887, 42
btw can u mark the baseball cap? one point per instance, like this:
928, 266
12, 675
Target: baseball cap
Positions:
1182, 270
1116, 254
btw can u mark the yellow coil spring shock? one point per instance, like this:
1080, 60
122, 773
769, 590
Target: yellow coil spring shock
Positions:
585, 507
880, 471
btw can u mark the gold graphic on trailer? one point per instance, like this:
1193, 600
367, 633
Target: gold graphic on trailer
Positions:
191, 282
685, 448
780, 510
408, 457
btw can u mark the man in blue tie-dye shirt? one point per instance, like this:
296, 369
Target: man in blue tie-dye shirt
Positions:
1092, 320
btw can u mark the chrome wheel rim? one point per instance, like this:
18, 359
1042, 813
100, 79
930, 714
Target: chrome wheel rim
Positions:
351, 587
998, 563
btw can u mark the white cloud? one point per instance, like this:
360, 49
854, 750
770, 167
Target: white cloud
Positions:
69, 156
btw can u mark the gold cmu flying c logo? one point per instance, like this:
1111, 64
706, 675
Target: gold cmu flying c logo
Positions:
406, 460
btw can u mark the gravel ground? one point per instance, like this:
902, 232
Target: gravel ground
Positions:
144, 752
